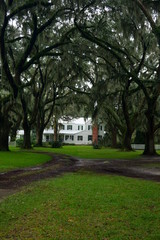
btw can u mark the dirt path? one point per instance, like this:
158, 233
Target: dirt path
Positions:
144, 168
12, 181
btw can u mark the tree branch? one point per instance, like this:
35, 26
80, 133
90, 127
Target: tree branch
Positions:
146, 13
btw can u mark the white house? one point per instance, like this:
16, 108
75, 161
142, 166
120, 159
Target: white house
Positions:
76, 131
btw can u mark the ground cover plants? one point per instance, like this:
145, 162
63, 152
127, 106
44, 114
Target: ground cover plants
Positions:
83, 206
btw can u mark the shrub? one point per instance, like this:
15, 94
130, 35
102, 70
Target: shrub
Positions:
19, 143
56, 144
97, 145
119, 145
69, 144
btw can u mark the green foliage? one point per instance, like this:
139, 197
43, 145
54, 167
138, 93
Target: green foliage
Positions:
69, 144
19, 143
56, 144
119, 57
33, 141
83, 206
119, 145
106, 142
140, 137
97, 146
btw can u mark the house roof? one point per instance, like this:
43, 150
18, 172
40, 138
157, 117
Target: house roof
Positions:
78, 121
51, 131
70, 132
48, 131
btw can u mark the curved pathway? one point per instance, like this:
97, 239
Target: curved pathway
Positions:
144, 168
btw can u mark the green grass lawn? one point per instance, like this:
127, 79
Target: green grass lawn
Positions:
83, 206
89, 153
18, 159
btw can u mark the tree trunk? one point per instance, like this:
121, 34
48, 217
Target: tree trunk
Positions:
14, 128
4, 133
127, 141
149, 141
129, 125
27, 137
39, 134
55, 130
95, 134
113, 137
39, 130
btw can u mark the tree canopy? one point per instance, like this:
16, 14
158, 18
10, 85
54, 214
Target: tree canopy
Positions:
104, 55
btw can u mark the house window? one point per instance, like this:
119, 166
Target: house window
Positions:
80, 127
89, 127
66, 137
69, 127
89, 137
80, 138
100, 127
71, 137
62, 127
47, 138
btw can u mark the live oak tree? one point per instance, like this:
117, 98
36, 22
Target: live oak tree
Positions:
59, 77
22, 25
15, 118
6, 104
121, 100
133, 42
150, 11
53, 81
47, 99
29, 97
118, 53
104, 77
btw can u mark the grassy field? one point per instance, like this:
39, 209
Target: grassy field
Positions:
18, 159
89, 153
83, 206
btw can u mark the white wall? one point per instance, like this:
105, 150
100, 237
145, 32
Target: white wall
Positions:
142, 146
84, 133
